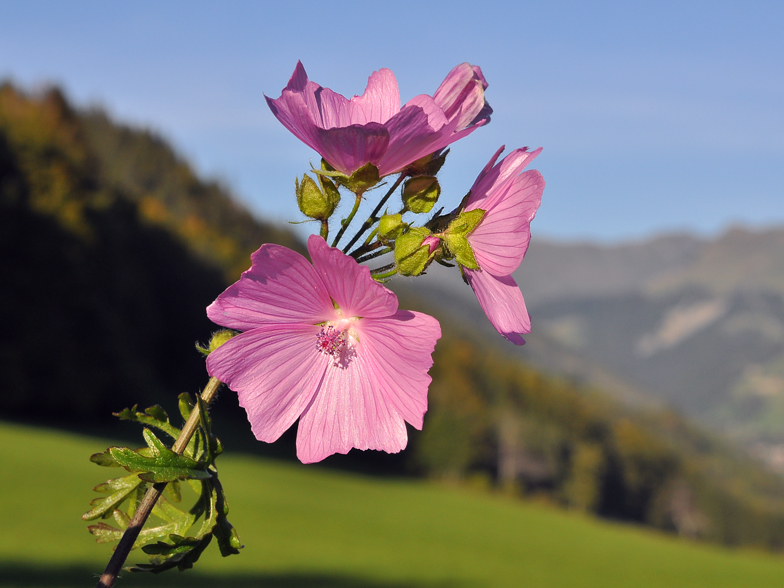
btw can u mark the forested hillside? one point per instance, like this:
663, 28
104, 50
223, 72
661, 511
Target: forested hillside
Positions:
111, 248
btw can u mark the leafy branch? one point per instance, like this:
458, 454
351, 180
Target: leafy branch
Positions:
177, 541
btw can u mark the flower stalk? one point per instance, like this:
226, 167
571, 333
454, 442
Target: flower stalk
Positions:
373, 218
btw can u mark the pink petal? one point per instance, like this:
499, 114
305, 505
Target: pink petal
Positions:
350, 148
461, 95
349, 411
501, 239
348, 283
275, 371
496, 178
380, 101
398, 351
420, 128
280, 287
502, 302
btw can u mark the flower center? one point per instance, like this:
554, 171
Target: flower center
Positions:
330, 340
334, 341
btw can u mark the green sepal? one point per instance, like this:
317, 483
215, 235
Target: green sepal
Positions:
218, 338
163, 465
411, 256
421, 193
119, 489
429, 165
456, 237
466, 222
390, 227
361, 180
154, 416
460, 248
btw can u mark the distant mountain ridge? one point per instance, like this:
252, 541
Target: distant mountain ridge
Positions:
689, 322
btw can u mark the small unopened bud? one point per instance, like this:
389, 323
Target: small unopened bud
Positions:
412, 253
218, 339
421, 193
312, 201
390, 227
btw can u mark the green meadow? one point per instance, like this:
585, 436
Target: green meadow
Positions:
311, 527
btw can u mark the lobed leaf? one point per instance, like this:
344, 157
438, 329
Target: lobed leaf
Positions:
119, 490
154, 416
160, 464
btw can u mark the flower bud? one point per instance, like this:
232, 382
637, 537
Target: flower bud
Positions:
312, 201
390, 227
420, 193
412, 254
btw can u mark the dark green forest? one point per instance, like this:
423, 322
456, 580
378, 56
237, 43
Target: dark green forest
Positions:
112, 248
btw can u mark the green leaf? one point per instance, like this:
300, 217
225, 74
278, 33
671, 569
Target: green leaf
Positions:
183, 553
105, 533
153, 416
104, 459
162, 464
225, 533
122, 519
173, 490
185, 405
169, 513
119, 489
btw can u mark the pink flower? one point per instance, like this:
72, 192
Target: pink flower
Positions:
372, 128
327, 344
499, 242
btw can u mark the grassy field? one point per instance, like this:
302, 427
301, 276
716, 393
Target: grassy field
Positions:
307, 527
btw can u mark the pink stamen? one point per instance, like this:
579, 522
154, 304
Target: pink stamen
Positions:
330, 341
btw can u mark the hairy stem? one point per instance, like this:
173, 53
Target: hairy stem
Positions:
374, 254
154, 493
347, 221
374, 215
382, 269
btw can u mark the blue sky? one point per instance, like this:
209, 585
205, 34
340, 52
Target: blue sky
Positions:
654, 117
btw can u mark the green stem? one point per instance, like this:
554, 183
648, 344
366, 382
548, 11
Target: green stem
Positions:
347, 221
382, 276
324, 229
373, 218
375, 254
152, 495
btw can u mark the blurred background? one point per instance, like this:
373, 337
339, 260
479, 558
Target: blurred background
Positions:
140, 167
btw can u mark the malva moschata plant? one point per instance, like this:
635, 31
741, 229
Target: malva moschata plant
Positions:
324, 341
